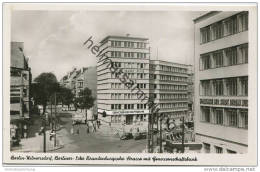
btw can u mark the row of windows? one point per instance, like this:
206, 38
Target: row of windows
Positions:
237, 86
173, 87
225, 57
125, 96
132, 75
225, 116
173, 105
127, 106
217, 149
173, 78
228, 26
129, 65
119, 85
128, 44
120, 54
173, 96
172, 69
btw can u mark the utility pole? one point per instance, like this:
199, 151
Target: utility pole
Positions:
148, 134
44, 138
51, 116
182, 140
161, 133
152, 119
55, 104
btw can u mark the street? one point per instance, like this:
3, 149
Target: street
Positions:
93, 142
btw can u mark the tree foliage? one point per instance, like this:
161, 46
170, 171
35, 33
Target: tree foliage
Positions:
65, 96
44, 86
85, 99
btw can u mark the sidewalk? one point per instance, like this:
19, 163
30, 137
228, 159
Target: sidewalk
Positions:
35, 144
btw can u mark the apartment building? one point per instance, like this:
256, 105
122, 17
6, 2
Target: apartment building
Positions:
221, 81
169, 88
131, 54
20, 101
85, 77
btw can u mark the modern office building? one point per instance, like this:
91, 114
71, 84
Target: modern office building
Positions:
169, 88
20, 101
221, 81
122, 105
165, 82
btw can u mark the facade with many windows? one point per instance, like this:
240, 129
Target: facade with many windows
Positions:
165, 82
122, 105
169, 88
221, 81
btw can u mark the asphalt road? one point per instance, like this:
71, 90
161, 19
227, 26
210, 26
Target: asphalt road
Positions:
93, 142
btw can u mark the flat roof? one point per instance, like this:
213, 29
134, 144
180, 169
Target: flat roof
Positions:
186, 65
122, 37
205, 16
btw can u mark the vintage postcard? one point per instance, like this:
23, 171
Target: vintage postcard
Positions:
130, 84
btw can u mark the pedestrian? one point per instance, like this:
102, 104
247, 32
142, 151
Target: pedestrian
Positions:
87, 130
72, 130
93, 127
78, 130
98, 123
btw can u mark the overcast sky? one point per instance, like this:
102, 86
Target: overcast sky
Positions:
53, 39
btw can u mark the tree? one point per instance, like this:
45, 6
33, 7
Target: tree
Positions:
45, 85
65, 96
85, 99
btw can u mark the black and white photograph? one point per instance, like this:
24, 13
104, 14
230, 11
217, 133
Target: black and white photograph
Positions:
130, 84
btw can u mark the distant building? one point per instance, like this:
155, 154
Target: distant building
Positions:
169, 88
78, 79
221, 81
190, 93
20, 101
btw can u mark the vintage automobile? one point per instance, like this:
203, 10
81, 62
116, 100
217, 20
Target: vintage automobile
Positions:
78, 118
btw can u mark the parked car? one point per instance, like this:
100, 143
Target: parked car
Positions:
78, 119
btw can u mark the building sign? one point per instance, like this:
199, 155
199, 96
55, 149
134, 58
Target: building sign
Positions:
132, 112
225, 102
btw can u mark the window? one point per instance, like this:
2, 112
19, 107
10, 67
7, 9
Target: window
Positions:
244, 119
14, 100
231, 25
206, 147
112, 106
206, 88
218, 30
218, 149
205, 114
14, 112
218, 58
232, 119
244, 86
15, 72
231, 54
218, 116
244, 53
205, 34
205, 60
218, 87
243, 21
232, 86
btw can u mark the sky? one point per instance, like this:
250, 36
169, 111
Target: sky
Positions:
53, 40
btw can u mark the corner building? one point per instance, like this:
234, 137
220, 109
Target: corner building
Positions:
221, 81
120, 103
165, 82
